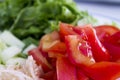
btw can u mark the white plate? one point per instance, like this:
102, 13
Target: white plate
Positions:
104, 19
105, 14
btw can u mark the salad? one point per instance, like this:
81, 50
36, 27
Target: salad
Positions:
52, 40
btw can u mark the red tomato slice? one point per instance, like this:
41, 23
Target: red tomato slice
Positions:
113, 50
81, 75
57, 47
104, 71
104, 31
51, 75
75, 55
47, 40
112, 44
85, 48
99, 51
79, 30
40, 59
55, 55
66, 29
65, 70
114, 39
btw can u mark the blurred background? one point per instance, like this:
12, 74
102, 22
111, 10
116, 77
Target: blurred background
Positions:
104, 7
102, 1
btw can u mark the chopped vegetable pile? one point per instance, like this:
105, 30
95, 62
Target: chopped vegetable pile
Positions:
30, 19
49, 40
11, 49
80, 53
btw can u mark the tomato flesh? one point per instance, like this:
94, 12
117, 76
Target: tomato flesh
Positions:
104, 31
112, 44
75, 55
40, 59
99, 51
65, 70
104, 71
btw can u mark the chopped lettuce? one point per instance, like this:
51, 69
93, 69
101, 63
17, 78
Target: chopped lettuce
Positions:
30, 19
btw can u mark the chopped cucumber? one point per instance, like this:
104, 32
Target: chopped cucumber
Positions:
9, 53
11, 40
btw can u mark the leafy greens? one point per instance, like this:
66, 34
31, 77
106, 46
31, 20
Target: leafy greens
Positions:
30, 19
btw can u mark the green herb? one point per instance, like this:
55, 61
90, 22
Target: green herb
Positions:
30, 19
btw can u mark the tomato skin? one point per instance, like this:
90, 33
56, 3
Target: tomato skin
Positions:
114, 39
65, 70
113, 50
57, 47
104, 31
47, 40
40, 59
112, 44
51, 46
99, 51
51, 75
75, 55
103, 71
80, 31
110, 36
81, 75
66, 29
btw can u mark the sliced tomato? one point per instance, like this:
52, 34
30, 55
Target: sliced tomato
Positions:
57, 47
112, 44
114, 39
40, 59
85, 48
104, 31
104, 71
65, 70
51, 75
113, 50
55, 55
80, 31
81, 75
99, 51
73, 42
47, 40
66, 29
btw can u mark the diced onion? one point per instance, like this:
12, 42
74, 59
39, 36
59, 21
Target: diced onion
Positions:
11, 40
